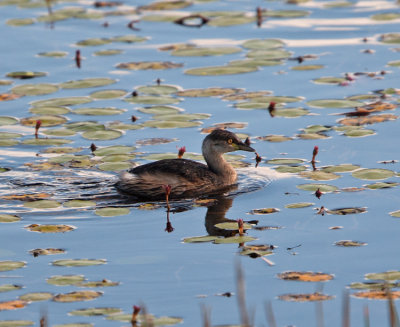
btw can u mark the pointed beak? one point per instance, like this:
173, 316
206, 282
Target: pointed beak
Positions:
244, 147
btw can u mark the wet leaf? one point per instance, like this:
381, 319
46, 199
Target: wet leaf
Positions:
101, 283
108, 94
77, 296
387, 275
162, 89
325, 188
372, 285
67, 101
109, 52
299, 205
262, 44
285, 161
62, 280
87, 82
312, 136
359, 132
53, 54
307, 276
25, 75
166, 5
114, 150
395, 214
270, 54
34, 89
290, 169
102, 135
48, 251
232, 225
200, 239
129, 39
160, 110
78, 324
329, 80
372, 174
319, 175
20, 21
234, 239
334, 103
152, 99
42, 204
376, 295
79, 203
263, 211
146, 65
340, 168
256, 251
46, 141
275, 138
208, 92
95, 312
231, 20
347, 243
112, 212
290, 112
47, 120
307, 67
205, 51
35, 297
6, 218
78, 262
4, 120
316, 129
347, 211
276, 98
49, 228
286, 13
358, 121
220, 70
386, 16
380, 185
311, 297
105, 111
12, 305
115, 166
49, 110
93, 42
9, 287
170, 124
16, 323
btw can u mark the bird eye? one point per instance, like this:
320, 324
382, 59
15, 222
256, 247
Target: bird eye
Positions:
230, 141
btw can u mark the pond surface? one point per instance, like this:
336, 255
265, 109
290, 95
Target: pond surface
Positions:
331, 68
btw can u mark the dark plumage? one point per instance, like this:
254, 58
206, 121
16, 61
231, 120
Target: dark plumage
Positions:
187, 178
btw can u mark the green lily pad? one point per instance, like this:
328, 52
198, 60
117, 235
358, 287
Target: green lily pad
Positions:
102, 135
232, 225
42, 204
395, 214
359, 132
6, 218
88, 82
270, 54
9, 287
77, 296
85, 126
26, 74
34, 89
50, 228
285, 161
275, 98
77, 324
338, 4
66, 101
170, 124
348, 243
49, 110
151, 99
316, 129
62, 280
8, 142
276, 138
113, 150
166, 5
78, 262
325, 188
380, 185
372, 174
79, 203
108, 52
20, 21
234, 239
209, 92
262, 44
11, 265
251, 105
319, 175
290, 169
108, 94
220, 70
101, 283
161, 110
257, 62
112, 212
4, 120
93, 42
334, 103
181, 117
95, 312
346, 211
299, 205
123, 127
6, 135
286, 13
105, 111
307, 67
53, 54
329, 80
47, 120
238, 19
385, 16
62, 150
290, 112
146, 65
387, 275
59, 132
129, 38
312, 136
35, 297
205, 51
372, 285
200, 239
340, 168
158, 89
16, 323
114, 166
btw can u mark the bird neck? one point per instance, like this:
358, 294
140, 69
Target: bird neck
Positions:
218, 165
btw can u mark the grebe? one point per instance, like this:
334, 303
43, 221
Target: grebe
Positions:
187, 178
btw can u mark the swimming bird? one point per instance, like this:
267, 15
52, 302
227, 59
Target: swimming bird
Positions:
186, 178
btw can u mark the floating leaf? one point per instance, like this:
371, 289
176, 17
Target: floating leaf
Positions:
105, 111
270, 54
307, 276
299, 205
67, 101
275, 138
340, 168
4, 120
149, 99
20, 21
34, 297
78, 324
109, 52
95, 312
358, 121
316, 129
62, 280
34, 89
93, 42
286, 13
16, 323
386, 16
112, 212
47, 120
208, 92
26, 75
115, 166
305, 297
263, 211
235, 19
12, 305
387, 275
49, 110
232, 225
146, 65
129, 39
158, 89
161, 110
77, 296
108, 94
102, 283
290, 169
46, 141
87, 82
313, 187
380, 185
319, 175
42, 204
372, 174
102, 135
6, 218
166, 5
114, 149
170, 124
395, 214
54, 54
79, 203
360, 132
329, 80
220, 70
262, 44
48, 251
200, 239
348, 243
307, 67
347, 211
50, 228
290, 112
234, 239
205, 51
376, 295
79, 262
312, 136
9, 287
372, 285
255, 251
334, 103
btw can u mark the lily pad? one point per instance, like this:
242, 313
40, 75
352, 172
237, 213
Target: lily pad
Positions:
105, 111
340, 168
238, 19
11, 265
62, 280
334, 103
290, 112
45, 141
78, 262
93, 42
316, 129
381, 185
395, 214
26, 74
299, 205
59, 132
200, 239
109, 52
20, 21
325, 188
35, 297
53, 54
262, 44
205, 51
385, 16
158, 89
95, 312
112, 212
34, 89
12, 305
16, 323
101, 283
275, 138
360, 132
347, 211
50, 228
48, 251
285, 161
79, 203
49, 110
372, 174
114, 149
161, 110
329, 80
358, 121
129, 39
286, 13
263, 211
387, 275
232, 225
307, 67
66, 101
220, 70
319, 175
9, 287
305, 297
7, 218
312, 136
208, 92
42, 204
270, 54
4, 120
376, 295
87, 82
290, 169
170, 124
46, 120
146, 65
307, 276
102, 135
114, 166
234, 239
77, 296
108, 94
152, 99
78, 324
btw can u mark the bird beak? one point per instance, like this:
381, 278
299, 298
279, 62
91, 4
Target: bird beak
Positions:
244, 147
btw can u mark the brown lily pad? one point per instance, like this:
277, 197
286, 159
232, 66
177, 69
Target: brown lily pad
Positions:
12, 305
312, 297
77, 296
307, 276
376, 295
50, 228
